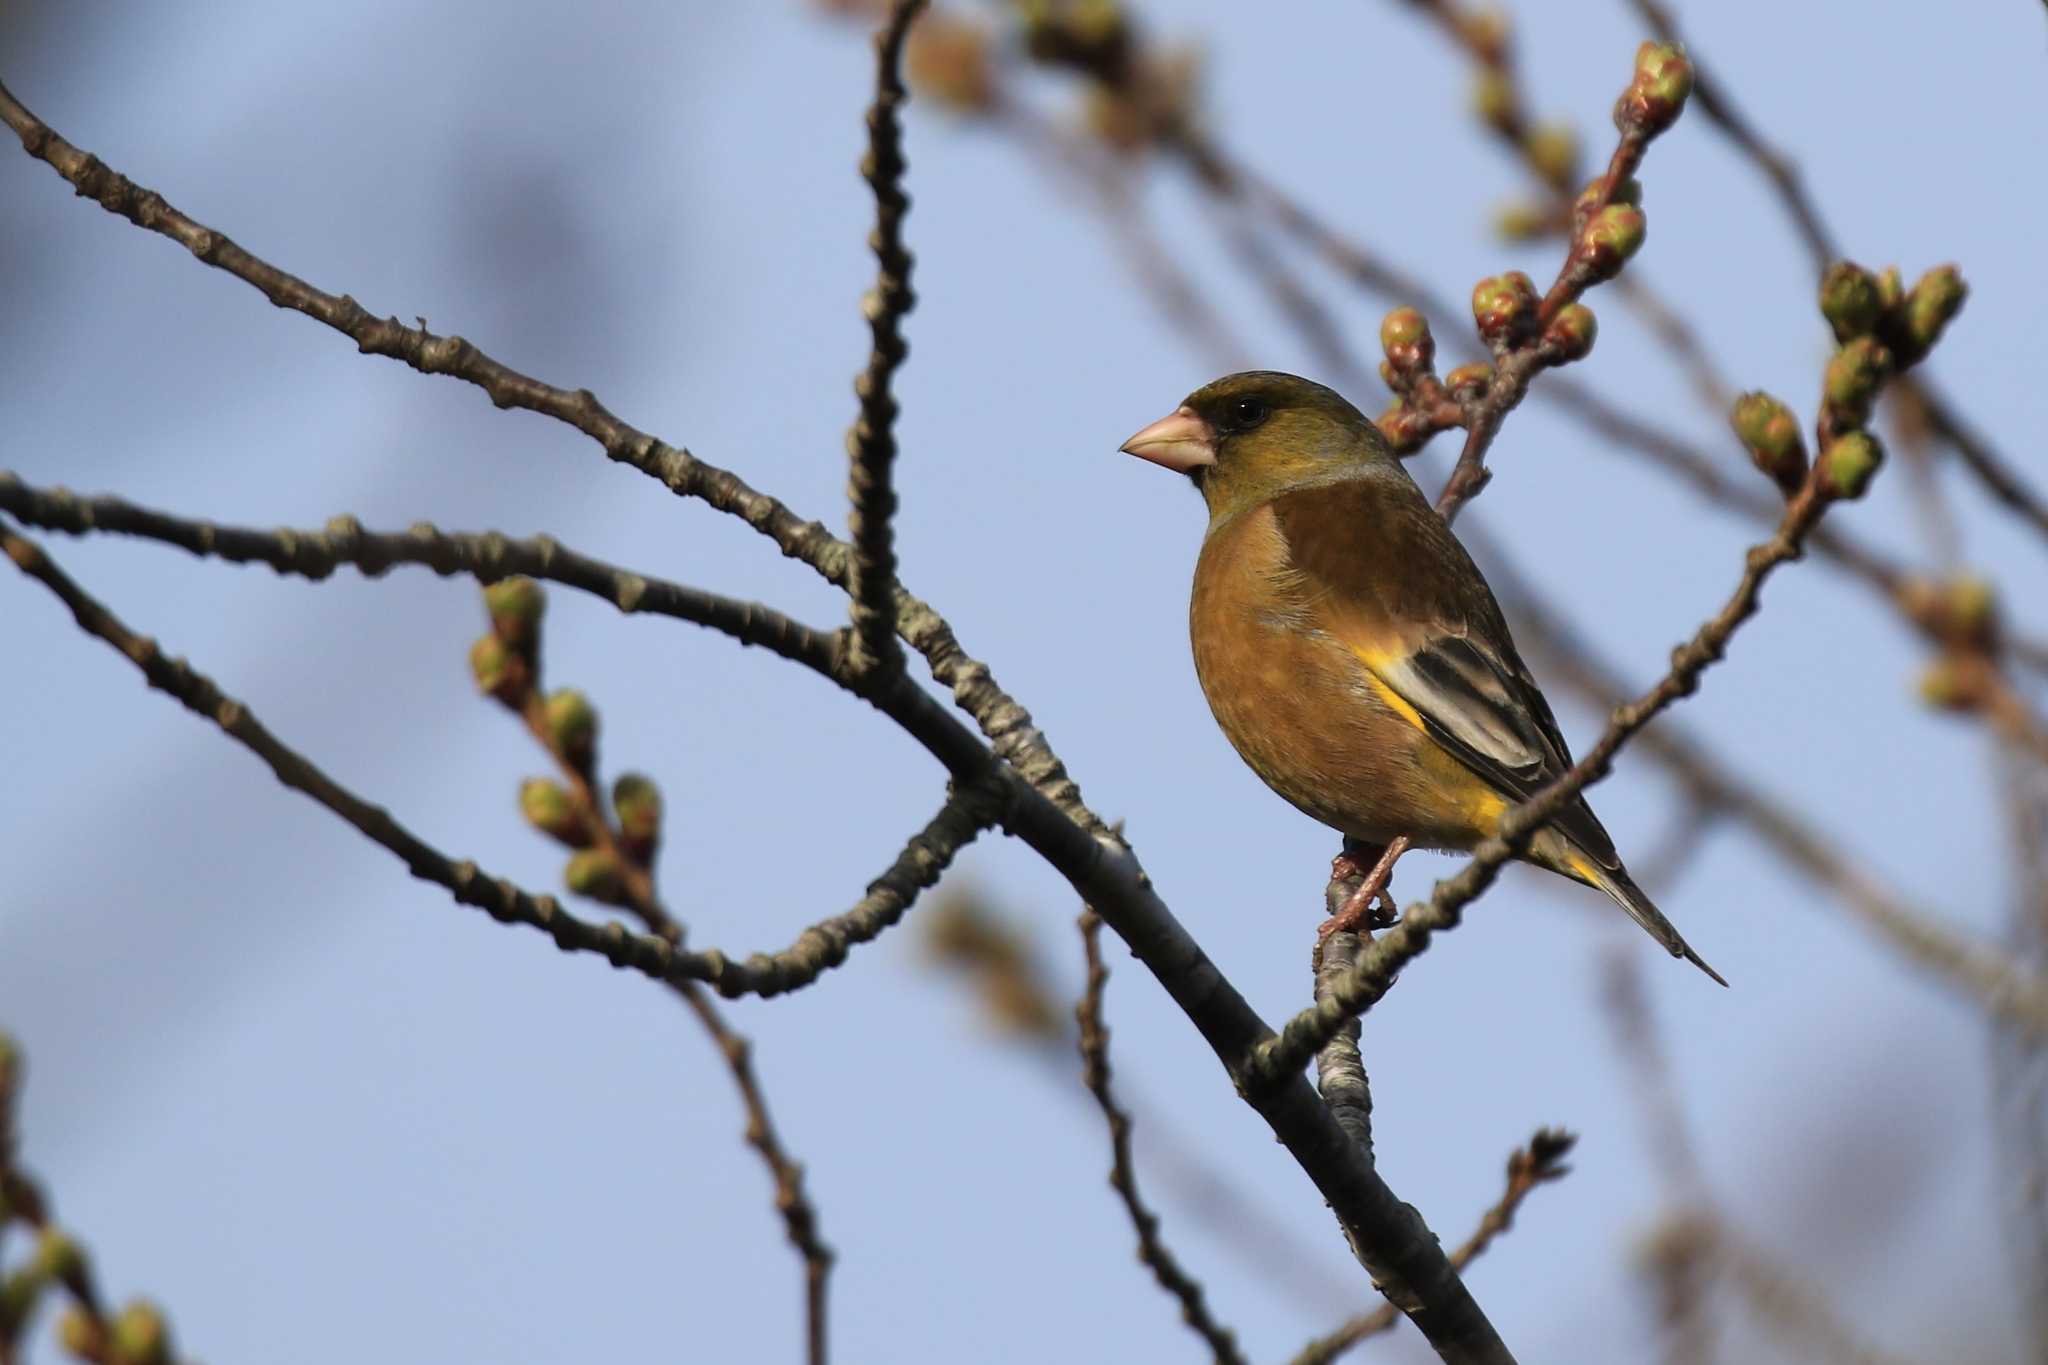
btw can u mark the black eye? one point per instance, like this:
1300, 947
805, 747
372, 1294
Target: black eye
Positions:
1246, 413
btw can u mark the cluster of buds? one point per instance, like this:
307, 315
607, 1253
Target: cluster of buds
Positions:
138, 1335
506, 662
1421, 407
1656, 96
947, 60
1858, 304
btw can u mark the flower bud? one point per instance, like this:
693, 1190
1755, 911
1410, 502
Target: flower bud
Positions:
1399, 425
1954, 682
1469, 381
1521, 221
572, 727
1404, 335
1553, 152
946, 59
57, 1257
1609, 238
550, 808
516, 606
1849, 300
1770, 432
1854, 375
596, 873
79, 1334
1849, 464
498, 671
1570, 334
1504, 307
1891, 292
638, 803
1493, 100
1657, 94
1935, 299
141, 1336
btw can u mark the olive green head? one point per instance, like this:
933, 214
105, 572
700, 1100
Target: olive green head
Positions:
1249, 437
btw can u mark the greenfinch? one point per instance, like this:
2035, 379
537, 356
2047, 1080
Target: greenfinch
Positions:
1348, 645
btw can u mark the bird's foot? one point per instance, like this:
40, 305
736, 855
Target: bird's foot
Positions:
1358, 914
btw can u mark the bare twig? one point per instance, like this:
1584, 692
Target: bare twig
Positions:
1123, 1174
1539, 1163
871, 445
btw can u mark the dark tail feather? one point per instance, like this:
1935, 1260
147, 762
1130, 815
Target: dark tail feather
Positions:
1643, 911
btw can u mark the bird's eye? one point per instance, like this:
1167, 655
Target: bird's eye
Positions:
1246, 413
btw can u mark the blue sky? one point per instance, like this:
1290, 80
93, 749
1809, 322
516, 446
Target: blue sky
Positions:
321, 1112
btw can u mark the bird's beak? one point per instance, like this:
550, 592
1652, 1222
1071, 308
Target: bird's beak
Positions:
1181, 441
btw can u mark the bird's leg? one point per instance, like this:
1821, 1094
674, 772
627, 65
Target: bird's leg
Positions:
1356, 915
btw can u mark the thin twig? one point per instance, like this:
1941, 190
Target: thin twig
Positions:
1123, 1174
1539, 1163
871, 445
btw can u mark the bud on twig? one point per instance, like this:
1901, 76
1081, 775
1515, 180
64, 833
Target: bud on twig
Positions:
78, 1332
140, 1335
1411, 350
596, 873
1469, 382
1609, 238
516, 606
1955, 682
1504, 307
550, 808
946, 59
1850, 301
1570, 334
571, 723
1553, 151
1936, 298
1849, 464
1657, 95
1769, 431
1854, 375
638, 803
499, 672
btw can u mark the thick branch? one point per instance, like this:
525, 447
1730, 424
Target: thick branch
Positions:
871, 445
1123, 1174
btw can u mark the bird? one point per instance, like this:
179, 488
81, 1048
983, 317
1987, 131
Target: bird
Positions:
1350, 649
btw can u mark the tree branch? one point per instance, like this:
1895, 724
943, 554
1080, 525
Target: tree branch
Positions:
871, 445
1123, 1174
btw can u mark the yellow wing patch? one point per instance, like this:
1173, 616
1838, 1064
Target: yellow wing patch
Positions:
1394, 700
1471, 795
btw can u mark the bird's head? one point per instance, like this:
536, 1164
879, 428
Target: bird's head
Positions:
1246, 438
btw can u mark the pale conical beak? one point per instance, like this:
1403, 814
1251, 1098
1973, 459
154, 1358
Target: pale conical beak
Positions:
1181, 441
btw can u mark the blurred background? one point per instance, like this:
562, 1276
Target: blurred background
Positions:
321, 1113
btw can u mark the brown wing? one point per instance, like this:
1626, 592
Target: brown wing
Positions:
1392, 584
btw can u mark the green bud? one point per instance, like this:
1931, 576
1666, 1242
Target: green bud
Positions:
1504, 307
638, 803
498, 671
1469, 381
1769, 431
19, 1295
1854, 375
571, 723
1848, 465
1404, 335
1523, 222
1891, 291
1399, 426
141, 1336
516, 606
1655, 97
1971, 604
1953, 683
1609, 238
1493, 100
79, 1334
1553, 152
550, 808
58, 1257
1570, 334
596, 873
1936, 298
1849, 300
